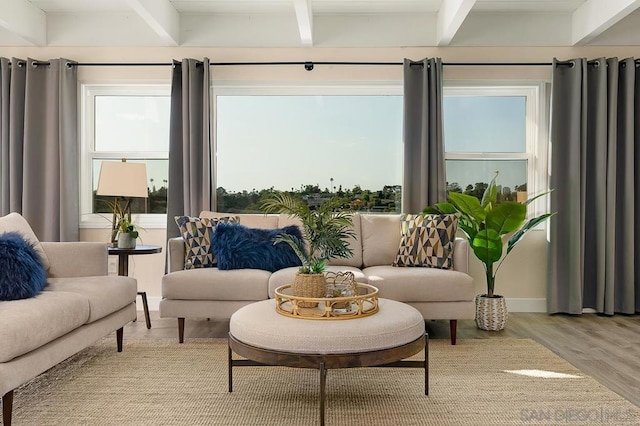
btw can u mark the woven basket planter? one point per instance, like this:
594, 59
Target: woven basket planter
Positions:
309, 285
491, 312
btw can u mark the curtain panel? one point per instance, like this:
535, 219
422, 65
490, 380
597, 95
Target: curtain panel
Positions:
39, 163
594, 240
424, 181
190, 188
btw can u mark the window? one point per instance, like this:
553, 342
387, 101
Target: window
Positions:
319, 142
495, 128
125, 121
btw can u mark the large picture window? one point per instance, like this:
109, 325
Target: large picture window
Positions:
318, 143
125, 122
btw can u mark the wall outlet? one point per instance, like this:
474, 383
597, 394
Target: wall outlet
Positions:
112, 267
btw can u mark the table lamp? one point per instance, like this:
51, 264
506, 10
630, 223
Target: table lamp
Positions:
123, 181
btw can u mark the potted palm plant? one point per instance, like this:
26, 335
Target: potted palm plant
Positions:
485, 224
324, 230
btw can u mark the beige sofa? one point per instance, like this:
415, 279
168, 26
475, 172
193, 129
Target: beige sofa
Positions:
438, 294
80, 305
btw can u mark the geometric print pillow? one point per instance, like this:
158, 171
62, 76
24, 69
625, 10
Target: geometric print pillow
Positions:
196, 233
427, 240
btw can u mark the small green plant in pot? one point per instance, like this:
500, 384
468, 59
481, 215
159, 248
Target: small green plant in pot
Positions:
325, 231
485, 224
127, 233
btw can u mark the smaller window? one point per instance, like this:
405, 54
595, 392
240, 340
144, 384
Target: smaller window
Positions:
131, 122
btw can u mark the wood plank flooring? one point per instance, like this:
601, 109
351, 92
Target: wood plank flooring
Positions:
606, 348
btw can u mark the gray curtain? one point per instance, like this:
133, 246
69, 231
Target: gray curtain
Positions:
39, 145
190, 162
424, 180
595, 134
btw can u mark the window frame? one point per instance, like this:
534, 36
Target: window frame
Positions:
88, 92
536, 133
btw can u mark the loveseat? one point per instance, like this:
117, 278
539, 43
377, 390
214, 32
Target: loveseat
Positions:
79, 305
439, 294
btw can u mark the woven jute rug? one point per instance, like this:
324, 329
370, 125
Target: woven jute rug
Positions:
161, 382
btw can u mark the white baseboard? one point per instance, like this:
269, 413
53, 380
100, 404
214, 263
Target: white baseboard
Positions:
526, 304
154, 303
513, 304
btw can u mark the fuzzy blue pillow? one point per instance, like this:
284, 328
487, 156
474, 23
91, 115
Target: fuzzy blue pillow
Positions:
22, 274
238, 247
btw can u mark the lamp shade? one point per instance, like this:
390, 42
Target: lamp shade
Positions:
122, 179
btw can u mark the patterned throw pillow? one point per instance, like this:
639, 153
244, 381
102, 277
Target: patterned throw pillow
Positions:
427, 240
197, 233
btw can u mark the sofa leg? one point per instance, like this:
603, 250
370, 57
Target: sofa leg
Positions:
181, 330
119, 335
7, 407
453, 325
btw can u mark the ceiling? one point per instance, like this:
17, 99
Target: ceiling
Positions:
319, 23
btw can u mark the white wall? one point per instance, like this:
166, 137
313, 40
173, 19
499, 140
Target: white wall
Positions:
522, 278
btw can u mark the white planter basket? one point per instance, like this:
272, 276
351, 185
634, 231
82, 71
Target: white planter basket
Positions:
491, 312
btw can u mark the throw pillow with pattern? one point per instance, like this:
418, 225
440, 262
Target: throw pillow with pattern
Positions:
197, 233
427, 240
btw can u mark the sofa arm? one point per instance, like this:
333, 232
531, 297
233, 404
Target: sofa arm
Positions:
461, 255
76, 259
175, 254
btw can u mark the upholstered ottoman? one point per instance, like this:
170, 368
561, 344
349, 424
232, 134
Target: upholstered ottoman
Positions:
264, 337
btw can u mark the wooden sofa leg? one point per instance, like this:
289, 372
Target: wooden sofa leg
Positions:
181, 330
453, 325
119, 335
7, 407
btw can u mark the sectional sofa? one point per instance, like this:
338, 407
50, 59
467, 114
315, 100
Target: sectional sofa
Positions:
79, 305
439, 294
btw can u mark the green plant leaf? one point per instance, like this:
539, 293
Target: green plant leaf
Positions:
506, 217
530, 200
532, 223
490, 194
468, 205
446, 208
487, 246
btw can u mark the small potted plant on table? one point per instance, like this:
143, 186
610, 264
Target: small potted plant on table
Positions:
325, 231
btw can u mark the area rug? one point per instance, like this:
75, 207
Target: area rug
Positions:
160, 382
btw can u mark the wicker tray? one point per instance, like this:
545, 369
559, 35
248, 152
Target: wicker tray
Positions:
361, 305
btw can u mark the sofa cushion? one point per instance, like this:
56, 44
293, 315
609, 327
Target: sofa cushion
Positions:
105, 294
22, 274
286, 276
239, 247
420, 284
214, 284
252, 220
14, 222
380, 238
427, 240
30, 323
197, 233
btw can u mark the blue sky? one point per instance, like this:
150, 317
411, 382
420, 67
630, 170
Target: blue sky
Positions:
288, 141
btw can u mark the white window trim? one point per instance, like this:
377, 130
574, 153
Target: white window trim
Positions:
87, 152
536, 123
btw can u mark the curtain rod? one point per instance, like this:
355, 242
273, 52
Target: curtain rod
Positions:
307, 64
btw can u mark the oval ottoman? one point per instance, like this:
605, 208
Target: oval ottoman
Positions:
264, 337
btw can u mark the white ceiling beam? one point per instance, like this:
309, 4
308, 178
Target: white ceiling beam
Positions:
25, 20
161, 17
596, 16
451, 15
304, 15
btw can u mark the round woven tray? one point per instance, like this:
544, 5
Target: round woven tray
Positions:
363, 304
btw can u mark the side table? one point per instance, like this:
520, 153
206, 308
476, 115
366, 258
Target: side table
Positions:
123, 268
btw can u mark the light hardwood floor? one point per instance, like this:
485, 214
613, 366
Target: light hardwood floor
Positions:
606, 348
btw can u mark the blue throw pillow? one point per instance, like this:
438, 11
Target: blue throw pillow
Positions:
22, 274
238, 247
